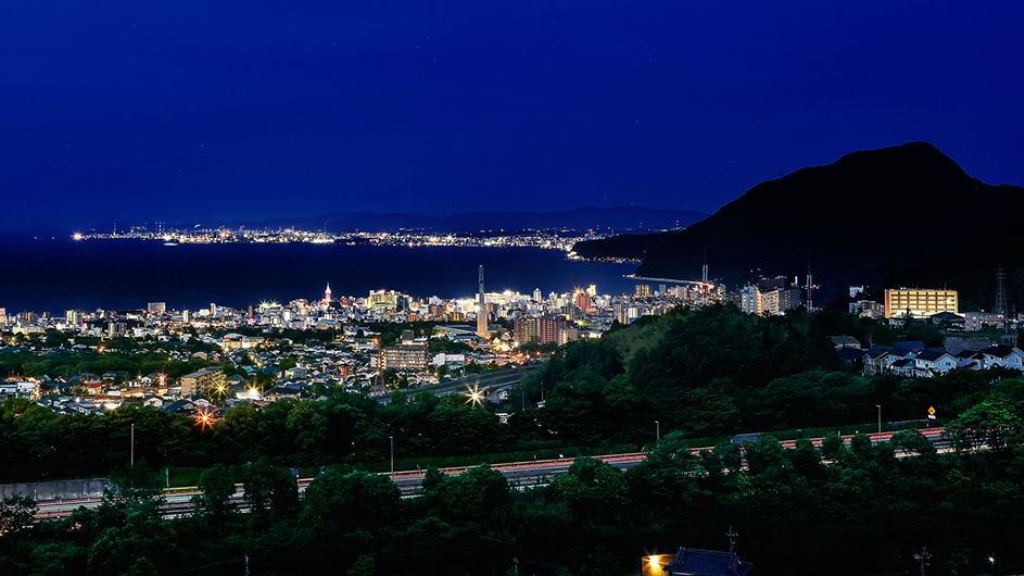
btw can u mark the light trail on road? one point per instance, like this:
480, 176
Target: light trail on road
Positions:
521, 474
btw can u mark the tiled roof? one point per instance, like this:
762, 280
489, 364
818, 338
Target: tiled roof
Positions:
696, 562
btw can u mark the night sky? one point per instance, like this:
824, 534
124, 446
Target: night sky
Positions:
187, 111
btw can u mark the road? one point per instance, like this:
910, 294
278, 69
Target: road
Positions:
524, 474
492, 383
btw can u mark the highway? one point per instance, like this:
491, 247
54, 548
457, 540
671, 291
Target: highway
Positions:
521, 475
491, 383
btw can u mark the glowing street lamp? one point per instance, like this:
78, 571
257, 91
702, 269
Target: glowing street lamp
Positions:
221, 390
654, 565
475, 395
205, 419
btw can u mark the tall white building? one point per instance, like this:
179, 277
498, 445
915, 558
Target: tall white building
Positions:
481, 308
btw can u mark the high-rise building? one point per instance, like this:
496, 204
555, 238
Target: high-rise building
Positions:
581, 299
537, 295
751, 300
384, 300
327, 294
481, 308
919, 302
406, 355
156, 308
543, 330
643, 291
624, 313
3, 316
71, 317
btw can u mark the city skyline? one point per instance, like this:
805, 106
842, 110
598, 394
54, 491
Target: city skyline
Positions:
337, 108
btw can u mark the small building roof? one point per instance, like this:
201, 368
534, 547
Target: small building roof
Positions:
696, 562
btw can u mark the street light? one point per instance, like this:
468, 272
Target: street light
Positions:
653, 565
657, 430
879, 406
391, 441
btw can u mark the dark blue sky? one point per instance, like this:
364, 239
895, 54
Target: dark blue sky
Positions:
201, 110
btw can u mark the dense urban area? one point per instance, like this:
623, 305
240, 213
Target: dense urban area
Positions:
344, 431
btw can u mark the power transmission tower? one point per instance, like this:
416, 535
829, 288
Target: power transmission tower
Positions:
1002, 309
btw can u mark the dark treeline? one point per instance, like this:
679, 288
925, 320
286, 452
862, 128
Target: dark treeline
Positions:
345, 428
865, 512
718, 371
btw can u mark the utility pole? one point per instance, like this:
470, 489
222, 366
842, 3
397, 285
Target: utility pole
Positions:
879, 406
732, 536
922, 558
657, 430
133, 446
391, 441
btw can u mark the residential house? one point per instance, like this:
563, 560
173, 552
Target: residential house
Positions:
696, 562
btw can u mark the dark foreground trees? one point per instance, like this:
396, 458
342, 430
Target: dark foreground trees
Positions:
866, 511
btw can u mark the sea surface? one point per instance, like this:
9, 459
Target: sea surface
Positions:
55, 274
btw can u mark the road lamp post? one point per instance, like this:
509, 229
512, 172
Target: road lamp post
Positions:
132, 457
879, 407
657, 430
391, 442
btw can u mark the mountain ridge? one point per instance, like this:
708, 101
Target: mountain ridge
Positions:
906, 214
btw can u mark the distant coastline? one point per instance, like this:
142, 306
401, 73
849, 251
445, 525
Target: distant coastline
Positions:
47, 274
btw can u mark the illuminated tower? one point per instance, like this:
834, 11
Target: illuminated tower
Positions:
327, 294
481, 309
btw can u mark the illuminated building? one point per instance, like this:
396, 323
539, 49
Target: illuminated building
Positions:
751, 300
384, 300
407, 355
3, 316
202, 381
582, 300
919, 302
327, 294
543, 330
643, 291
481, 308
71, 317
156, 308
239, 342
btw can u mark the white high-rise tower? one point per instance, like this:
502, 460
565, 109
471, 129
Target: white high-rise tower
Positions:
481, 309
